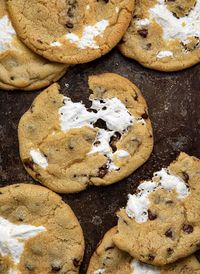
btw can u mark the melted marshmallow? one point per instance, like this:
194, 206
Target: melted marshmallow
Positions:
99, 271
12, 238
112, 111
13, 271
88, 36
103, 147
141, 268
142, 22
121, 153
137, 206
6, 33
177, 28
38, 158
55, 44
164, 53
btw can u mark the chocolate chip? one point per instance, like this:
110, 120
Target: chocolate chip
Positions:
92, 110
70, 12
109, 248
145, 116
100, 124
188, 228
97, 143
152, 216
151, 257
105, 1
170, 251
103, 171
69, 25
148, 46
143, 32
186, 177
37, 175
55, 266
169, 202
113, 141
125, 222
29, 163
170, 233
76, 263
135, 97
39, 41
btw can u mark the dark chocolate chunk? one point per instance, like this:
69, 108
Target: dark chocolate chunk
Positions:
92, 110
170, 251
151, 257
186, 177
56, 267
29, 163
103, 171
145, 116
170, 233
148, 46
169, 202
136, 96
97, 143
69, 25
143, 32
113, 141
100, 124
151, 215
76, 263
188, 228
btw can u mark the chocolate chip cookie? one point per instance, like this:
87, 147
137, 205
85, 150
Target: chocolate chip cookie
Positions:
20, 68
161, 222
67, 146
71, 31
108, 259
39, 232
164, 35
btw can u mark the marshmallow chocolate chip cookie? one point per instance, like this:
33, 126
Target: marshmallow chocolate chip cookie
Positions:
67, 147
161, 222
20, 68
39, 233
164, 34
71, 31
108, 259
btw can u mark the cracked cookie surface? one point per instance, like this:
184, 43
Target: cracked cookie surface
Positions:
161, 222
68, 147
108, 259
164, 35
39, 232
71, 31
20, 68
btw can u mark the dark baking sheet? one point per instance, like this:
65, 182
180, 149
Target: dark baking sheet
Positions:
174, 108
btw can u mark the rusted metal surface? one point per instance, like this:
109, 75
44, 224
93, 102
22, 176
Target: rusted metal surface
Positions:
174, 108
